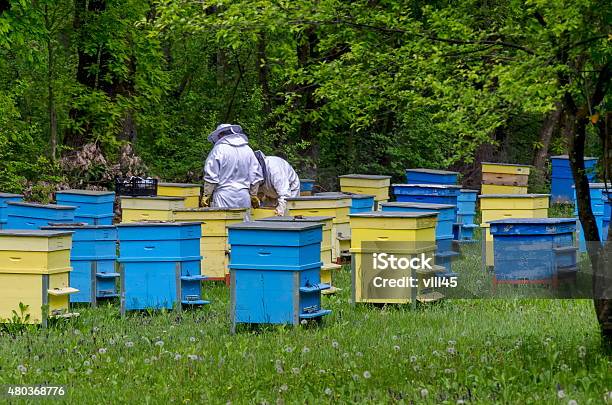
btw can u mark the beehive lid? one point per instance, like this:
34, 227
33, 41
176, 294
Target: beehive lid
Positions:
276, 226
504, 164
75, 225
153, 198
535, 221
514, 196
34, 233
597, 185
318, 197
394, 214
567, 157
85, 192
183, 185
365, 176
10, 195
468, 190
38, 205
432, 171
156, 223
307, 180
354, 196
424, 206
296, 219
440, 186
209, 209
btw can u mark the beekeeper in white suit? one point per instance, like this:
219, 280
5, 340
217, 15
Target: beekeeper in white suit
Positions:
280, 181
231, 172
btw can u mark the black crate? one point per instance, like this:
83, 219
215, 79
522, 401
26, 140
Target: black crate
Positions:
136, 187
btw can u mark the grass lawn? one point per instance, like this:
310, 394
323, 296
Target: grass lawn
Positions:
477, 351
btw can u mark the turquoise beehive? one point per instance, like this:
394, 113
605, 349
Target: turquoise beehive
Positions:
22, 215
430, 176
4, 199
92, 207
275, 272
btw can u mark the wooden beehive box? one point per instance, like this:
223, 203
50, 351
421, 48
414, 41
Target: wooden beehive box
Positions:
191, 192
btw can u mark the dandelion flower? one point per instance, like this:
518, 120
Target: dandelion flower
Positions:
177, 356
460, 401
394, 337
345, 355
335, 344
88, 371
102, 350
71, 370
279, 370
367, 374
86, 363
448, 371
129, 344
322, 371
488, 343
36, 358
560, 394
111, 342
159, 343
451, 350
284, 387
22, 369
581, 352
452, 343
289, 349
572, 402
295, 370
435, 353
147, 361
192, 339
192, 357
305, 350
328, 391
359, 354
424, 393
303, 322
95, 329
355, 377
121, 359
396, 348
413, 358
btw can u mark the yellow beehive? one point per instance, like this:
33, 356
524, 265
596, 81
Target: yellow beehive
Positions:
191, 192
213, 244
262, 212
141, 209
405, 234
503, 206
34, 271
375, 185
501, 189
505, 179
507, 168
327, 277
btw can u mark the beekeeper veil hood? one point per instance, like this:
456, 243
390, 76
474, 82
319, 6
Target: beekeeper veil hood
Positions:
225, 129
261, 158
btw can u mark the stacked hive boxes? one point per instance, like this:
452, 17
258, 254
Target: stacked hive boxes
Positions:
466, 212
403, 234
336, 206
328, 267
92, 207
213, 243
34, 271
533, 251
430, 176
504, 178
597, 192
562, 179
4, 199
275, 272
505, 206
375, 185
138, 209
93, 257
160, 265
444, 229
21, 215
190, 192
306, 186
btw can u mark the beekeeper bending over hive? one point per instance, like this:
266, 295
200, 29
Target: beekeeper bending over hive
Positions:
280, 181
231, 172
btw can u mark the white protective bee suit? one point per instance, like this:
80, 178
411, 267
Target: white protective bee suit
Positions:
280, 181
231, 172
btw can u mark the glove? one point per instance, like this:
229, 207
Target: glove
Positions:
206, 201
255, 203
279, 212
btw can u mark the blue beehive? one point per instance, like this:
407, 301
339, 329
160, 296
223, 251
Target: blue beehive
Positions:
4, 199
562, 179
22, 215
306, 185
359, 202
92, 207
466, 214
430, 176
607, 214
160, 265
92, 257
529, 251
444, 229
597, 191
275, 272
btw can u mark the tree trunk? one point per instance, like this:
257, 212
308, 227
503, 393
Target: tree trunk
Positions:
548, 127
50, 90
263, 72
